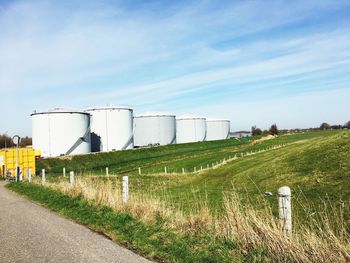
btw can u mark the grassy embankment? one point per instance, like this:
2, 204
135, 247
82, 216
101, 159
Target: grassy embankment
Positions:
315, 165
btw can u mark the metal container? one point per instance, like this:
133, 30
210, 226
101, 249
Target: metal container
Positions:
61, 132
218, 130
190, 130
154, 130
26, 160
111, 128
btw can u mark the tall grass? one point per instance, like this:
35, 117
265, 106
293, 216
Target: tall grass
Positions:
323, 239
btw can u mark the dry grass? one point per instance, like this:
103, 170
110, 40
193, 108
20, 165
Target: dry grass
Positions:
308, 244
324, 240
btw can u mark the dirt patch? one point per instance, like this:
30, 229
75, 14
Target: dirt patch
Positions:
266, 138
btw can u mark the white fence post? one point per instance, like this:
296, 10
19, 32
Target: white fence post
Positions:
43, 178
29, 175
285, 209
195, 169
107, 171
139, 170
183, 170
71, 177
64, 171
165, 170
208, 166
20, 175
125, 189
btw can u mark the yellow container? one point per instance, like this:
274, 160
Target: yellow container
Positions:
26, 159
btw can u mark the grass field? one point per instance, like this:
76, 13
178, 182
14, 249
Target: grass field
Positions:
316, 165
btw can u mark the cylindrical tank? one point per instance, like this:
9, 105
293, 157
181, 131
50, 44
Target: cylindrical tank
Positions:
190, 130
154, 130
218, 129
61, 132
111, 128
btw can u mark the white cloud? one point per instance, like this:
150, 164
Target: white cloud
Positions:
92, 53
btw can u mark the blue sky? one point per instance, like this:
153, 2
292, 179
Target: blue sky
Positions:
254, 62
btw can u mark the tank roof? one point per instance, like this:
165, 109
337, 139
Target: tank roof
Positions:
190, 118
58, 110
217, 120
109, 107
154, 115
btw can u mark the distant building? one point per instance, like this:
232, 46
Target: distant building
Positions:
240, 134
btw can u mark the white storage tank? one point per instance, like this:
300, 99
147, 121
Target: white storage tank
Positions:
190, 130
154, 130
218, 129
61, 132
111, 128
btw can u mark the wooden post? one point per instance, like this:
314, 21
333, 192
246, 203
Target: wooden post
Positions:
285, 210
125, 189
139, 170
183, 170
43, 178
107, 172
71, 177
29, 174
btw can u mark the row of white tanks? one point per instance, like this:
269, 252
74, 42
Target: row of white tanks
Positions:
63, 132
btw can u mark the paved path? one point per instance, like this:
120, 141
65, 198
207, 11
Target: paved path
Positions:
31, 233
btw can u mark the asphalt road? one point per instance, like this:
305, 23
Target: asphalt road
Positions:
31, 233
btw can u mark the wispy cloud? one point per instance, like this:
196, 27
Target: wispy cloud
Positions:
173, 57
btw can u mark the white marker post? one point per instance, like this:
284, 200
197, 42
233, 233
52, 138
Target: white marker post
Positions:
64, 171
71, 177
183, 170
195, 169
43, 178
20, 175
285, 210
139, 170
125, 189
165, 170
29, 175
107, 172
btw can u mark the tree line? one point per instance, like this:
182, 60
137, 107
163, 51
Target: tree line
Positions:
275, 131
6, 141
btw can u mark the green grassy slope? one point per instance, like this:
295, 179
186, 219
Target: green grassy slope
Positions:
315, 168
130, 160
316, 165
